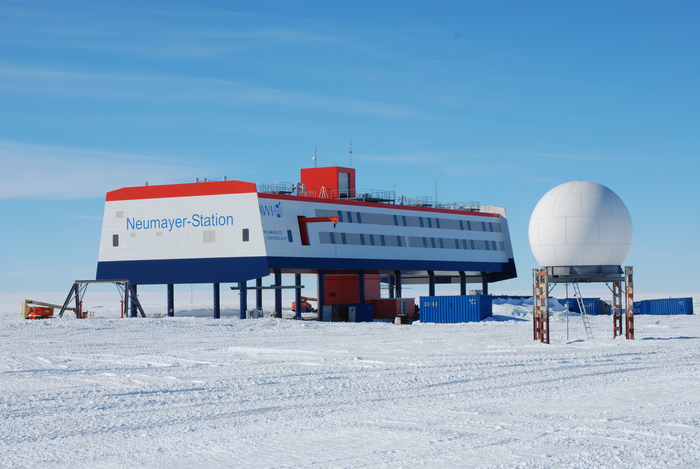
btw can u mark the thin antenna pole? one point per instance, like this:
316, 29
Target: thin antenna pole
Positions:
436, 202
351, 152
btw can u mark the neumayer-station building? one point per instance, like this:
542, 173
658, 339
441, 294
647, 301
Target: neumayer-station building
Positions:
352, 239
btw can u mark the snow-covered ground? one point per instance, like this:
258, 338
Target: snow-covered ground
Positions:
199, 392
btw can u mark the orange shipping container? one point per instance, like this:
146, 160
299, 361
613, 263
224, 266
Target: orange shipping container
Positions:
389, 308
343, 289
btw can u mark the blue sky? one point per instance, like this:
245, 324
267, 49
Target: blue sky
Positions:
496, 101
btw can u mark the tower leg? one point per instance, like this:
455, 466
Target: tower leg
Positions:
431, 283
617, 309
629, 304
540, 306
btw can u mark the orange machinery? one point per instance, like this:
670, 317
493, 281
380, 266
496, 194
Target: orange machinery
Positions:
305, 305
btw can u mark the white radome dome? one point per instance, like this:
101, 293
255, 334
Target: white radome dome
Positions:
580, 223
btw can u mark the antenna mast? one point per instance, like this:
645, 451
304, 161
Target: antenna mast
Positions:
436, 203
351, 152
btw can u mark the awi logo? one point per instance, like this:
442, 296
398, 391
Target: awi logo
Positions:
271, 210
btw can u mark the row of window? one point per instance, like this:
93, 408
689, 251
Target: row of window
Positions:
409, 220
360, 239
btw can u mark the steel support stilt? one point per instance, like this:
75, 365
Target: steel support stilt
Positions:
217, 301
321, 293
397, 283
278, 293
617, 309
297, 296
171, 300
540, 306
243, 299
258, 293
629, 304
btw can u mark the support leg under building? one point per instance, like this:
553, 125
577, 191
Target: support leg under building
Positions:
258, 293
132, 303
484, 283
361, 286
278, 293
297, 296
397, 283
321, 292
243, 299
171, 300
217, 301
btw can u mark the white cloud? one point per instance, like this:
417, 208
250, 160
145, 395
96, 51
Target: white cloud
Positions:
164, 89
50, 172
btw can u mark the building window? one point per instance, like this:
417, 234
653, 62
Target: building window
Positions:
246, 235
115, 240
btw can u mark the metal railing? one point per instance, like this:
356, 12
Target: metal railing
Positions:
276, 187
416, 201
472, 206
373, 195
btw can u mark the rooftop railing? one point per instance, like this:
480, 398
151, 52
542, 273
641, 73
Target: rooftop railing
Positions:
372, 195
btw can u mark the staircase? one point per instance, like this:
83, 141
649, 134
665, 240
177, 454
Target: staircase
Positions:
582, 308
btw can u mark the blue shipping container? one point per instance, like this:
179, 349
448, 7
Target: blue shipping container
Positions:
664, 307
361, 313
592, 305
455, 309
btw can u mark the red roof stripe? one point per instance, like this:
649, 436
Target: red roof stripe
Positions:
181, 190
372, 204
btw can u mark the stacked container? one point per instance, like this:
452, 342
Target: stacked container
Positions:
664, 307
592, 306
455, 309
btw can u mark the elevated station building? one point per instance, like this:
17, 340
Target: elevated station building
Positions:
234, 231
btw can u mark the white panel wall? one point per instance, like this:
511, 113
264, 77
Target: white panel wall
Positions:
174, 228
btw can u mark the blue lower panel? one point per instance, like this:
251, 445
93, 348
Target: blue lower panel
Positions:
505, 270
159, 272
240, 269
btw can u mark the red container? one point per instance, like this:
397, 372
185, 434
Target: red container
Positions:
389, 308
343, 289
